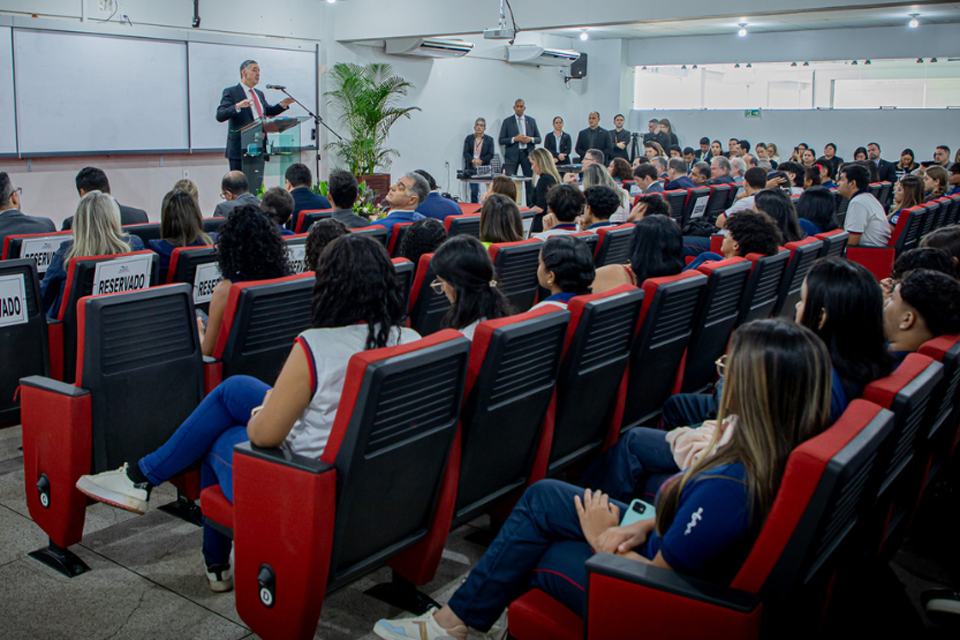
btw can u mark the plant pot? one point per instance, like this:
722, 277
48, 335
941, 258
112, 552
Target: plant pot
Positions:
379, 182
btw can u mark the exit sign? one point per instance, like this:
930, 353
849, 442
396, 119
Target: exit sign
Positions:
751, 113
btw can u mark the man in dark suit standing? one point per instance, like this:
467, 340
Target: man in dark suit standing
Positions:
518, 136
593, 137
299, 182
887, 170
94, 179
477, 152
241, 104
619, 140
12, 221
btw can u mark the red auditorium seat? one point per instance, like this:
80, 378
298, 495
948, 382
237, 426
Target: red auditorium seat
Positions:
427, 307
592, 240
613, 244
719, 193
677, 199
906, 235
763, 287
516, 266
396, 238
469, 208
834, 243
692, 199
41, 246
463, 224
23, 334
303, 527
782, 584
379, 233
307, 217
404, 269
803, 254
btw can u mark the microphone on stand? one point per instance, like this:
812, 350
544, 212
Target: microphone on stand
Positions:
278, 87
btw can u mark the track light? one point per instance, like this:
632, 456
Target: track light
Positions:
933, 59
684, 67
806, 64
749, 66
743, 30
736, 66
919, 60
867, 62
643, 68
793, 64
854, 63
914, 23
583, 35
694, 66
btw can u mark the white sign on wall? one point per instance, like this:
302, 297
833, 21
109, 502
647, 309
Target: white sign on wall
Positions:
123, 274
13, 301
207, 278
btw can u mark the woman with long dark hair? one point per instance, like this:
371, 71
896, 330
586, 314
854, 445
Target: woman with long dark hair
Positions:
656, 250
817, 211
566, 270
357, 305
181, 225
776, 204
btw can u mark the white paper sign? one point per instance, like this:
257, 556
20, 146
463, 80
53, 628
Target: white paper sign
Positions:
122, 274
42, 249
207, 278
13, 301
700, 207
297, 254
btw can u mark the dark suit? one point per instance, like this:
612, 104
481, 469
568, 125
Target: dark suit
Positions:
15, 223
239, 119
660, 138
683, 182
616, 152
598, 138
128, 215
566, 145
224, 208
702, 156
486, 151
306, 200
349, 218
887, 170
513, 155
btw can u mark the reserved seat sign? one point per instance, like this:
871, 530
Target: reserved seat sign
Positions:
13, 300
131, 273
42, 248
207, 278
297, 256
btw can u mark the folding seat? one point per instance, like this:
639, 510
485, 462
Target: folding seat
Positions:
782, 584
943, 414
667, 321
427, 307
396, 238
906, 235
307, 217
376, 231
803, 254
139, 375
591, 238
39, 246
763, 287
954, 215
677, 199
875, 188
842, 204
261, 320
466, 224
121, 272
613, 244
198, 267
590, 387
732, 194
516, 266
297, 252
212, 225
404, 269
930, 219
696, 198
834, 243
469, 208
907, 392
146, 231
886, 190
24, 350
942, 212
718, 313
381, 493
719, 193
510, 382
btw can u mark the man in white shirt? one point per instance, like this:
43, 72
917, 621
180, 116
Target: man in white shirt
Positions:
755, 179
866, 221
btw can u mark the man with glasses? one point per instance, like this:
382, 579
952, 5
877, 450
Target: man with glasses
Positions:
404, 197
235, 192
12, 221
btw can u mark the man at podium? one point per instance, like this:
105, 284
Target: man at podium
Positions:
241, 104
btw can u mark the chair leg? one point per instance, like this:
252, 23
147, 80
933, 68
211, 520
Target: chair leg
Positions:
402, 594
60, 559
185, 509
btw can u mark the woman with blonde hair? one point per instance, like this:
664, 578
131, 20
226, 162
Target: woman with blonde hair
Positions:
596, 176
96, 232
543, 167
189, 186
181, 225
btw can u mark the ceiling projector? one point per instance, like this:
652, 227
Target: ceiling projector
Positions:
499, 33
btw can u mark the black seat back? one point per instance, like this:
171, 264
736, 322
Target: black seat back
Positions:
718, 201
763, 288
463, 224
23, 333
405, 270
516, 266
613, 244
805, 253
677, 199
930, 218
212, 225
381, 234
196, 266
696, 197
427, 307
834, 243
910, 227
40, 247
886, 190
146, 231
307, 218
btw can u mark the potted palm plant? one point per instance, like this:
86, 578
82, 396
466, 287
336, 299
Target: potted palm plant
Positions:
367, 97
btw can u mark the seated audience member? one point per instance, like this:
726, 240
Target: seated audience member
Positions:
436, 206
737, 169
405, 195
652, 150
645, 179
565, 204
249, 247
954, 179
465, 275
812, 177
500, 221
543, 167
832, 159
778, 206
189, 186
941, 155
93, 179
700, 174
656, 250
235, 191
907, 193
299, 182
677, 175
817, 211
357, 306
923, 306
556, 526
743, 147
720, 171
928, 258
423, 236
322, 233
590, 158
946, 238
566, 269
906, 164
675, 151
773, 154
502, 185
661, 165
826, 173
12, 221
278, 205
651, 204
935, 182
808, 158
181, 225
754, 180
620, 170
874, 170
716, 151
343, 190
96, 233
732, 148
703, 153
689, 156
601, 203
595, 176
864, 213
860, 154
795, 173
752, 233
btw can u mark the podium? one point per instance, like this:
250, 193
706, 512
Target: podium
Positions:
269, 147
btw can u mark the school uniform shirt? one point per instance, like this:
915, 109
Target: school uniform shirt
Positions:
328, 352
865, 216
558, 230
556, 300
469, 330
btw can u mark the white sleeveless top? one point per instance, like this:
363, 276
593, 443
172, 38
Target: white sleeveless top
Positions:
328, 353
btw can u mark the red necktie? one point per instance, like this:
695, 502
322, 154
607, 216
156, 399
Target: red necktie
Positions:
256, 103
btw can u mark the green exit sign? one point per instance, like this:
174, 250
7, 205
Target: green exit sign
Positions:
751, 113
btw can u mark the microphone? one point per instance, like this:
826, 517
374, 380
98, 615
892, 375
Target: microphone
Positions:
279, 87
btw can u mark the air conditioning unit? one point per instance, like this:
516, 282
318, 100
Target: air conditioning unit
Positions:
428, 47
541, 56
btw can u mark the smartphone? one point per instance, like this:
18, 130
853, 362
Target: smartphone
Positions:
638, 510
203, 317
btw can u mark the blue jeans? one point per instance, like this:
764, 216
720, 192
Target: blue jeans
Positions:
695, 245
706, 256
208, 437
540, 545
474, 192
641, 461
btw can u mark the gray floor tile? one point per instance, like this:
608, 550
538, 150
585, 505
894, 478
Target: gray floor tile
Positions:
20, 536
10, 440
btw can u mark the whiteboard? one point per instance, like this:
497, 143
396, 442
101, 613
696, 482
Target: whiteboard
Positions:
80, 93
213, 67
8, 122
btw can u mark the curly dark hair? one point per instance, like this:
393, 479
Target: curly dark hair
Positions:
621, 169
929, 258
356, 282
250, 247
423, 236
321, 234
754, 232
571, 262
603, 201
466, 266
936, 297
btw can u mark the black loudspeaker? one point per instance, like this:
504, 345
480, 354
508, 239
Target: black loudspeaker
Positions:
579, 67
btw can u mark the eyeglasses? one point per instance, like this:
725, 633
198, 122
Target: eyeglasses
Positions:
17, 191
437, 286
721, 363
223, 195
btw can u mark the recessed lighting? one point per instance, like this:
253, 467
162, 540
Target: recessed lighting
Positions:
914, 23
694, 66
583, 35
749, 66
331, 1
684, 67
793, 64
643, 68
743, 29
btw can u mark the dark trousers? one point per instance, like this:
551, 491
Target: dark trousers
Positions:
638, 464
474, 193
510, 168
235, 164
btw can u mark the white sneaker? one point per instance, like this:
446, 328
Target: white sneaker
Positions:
423, 627
220, 577
116, 489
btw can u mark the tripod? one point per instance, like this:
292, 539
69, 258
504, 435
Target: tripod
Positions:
634, 146
317, 122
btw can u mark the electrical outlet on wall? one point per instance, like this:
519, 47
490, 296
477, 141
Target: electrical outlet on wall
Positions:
186, 174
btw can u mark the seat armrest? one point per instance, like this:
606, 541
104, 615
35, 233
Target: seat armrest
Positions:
50, 385
212, 373
284, 458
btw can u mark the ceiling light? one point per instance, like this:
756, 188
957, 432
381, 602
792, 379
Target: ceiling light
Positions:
749, 66
684, 67
643, 69
914, 23
933, 59
867, 62
736, 66
331, 1
694, 66
854, 63
583, 35
793, 64
743, 29
919, 60
806, 64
